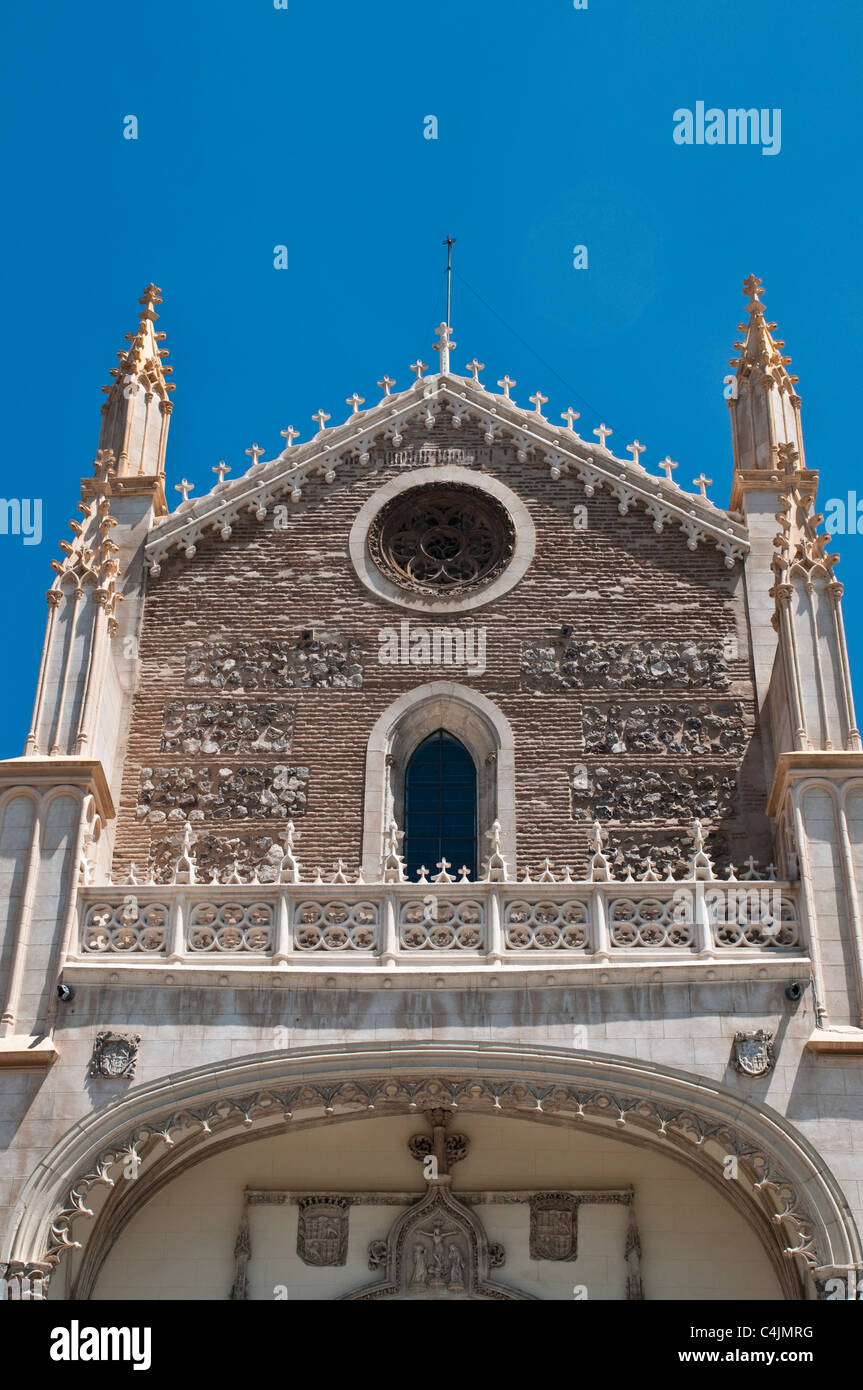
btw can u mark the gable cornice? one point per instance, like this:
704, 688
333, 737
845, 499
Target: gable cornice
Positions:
559, 449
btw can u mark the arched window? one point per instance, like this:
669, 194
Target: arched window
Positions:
440, 806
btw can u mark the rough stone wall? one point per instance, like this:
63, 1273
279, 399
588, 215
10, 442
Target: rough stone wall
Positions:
607, 608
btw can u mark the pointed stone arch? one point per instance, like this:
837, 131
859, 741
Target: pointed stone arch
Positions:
789, 1196
478, 723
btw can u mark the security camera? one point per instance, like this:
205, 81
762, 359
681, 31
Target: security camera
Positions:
65, 992
794, 992
566, 630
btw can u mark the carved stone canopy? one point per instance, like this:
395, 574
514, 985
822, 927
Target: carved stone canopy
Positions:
436, 1251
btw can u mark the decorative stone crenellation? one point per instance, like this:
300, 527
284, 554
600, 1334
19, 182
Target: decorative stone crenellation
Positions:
181, 793
320, 660
685, 729
588, 665
640, 794
226, 727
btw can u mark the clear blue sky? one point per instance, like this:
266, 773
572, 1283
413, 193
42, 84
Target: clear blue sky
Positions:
304, 127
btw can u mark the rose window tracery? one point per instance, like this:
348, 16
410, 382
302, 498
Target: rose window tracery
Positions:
442, 539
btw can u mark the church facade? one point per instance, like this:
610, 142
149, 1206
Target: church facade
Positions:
435, 866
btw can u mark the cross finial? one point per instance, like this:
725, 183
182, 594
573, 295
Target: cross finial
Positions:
255, 453
538, 401
322, 417
703, 484
668, 466
753, 290
635, 449
602, 434
419, 367
507, 383
221, 468
387, 384
355, 401
570, 416
185, 487
475, 368
444, 345
290, 434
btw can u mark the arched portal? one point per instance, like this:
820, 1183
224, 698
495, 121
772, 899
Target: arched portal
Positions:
75, 1206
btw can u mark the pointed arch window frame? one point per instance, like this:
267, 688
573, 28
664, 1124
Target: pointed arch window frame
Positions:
477, 723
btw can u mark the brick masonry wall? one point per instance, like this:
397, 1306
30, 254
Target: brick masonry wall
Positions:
617, 580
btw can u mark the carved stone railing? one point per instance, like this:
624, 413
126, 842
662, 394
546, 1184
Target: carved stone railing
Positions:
390, 924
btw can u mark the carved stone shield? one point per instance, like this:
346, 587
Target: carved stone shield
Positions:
322, 1232
553, 1227
753, 1052
115, 1054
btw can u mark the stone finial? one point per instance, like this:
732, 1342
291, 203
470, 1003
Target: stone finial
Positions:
668, 466
321, 417
602, 434
418, 368
289, 435
475, 368
185, 865
386, 384
570, 416
185, 487
393, 868
600, 869
507, 383
700, 865
289, 868
496, 867
538, 401
444, 346
255, 453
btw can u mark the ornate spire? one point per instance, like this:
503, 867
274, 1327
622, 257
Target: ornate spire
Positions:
763, 399
136, 414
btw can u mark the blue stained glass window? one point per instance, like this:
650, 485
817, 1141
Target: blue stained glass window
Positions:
440, 806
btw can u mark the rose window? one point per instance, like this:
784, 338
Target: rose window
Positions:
442, 540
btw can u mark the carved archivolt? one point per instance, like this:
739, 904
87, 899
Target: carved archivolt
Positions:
520, 1098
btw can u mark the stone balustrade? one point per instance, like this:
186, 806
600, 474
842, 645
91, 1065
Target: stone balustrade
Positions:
399, 923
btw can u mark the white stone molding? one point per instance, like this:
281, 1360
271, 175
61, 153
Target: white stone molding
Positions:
381, 587
793, 1201
468, 716
531, 435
